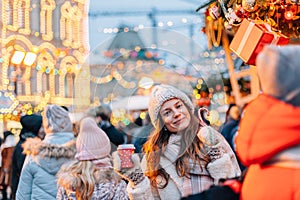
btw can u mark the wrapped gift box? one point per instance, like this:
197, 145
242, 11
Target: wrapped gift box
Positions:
250, 39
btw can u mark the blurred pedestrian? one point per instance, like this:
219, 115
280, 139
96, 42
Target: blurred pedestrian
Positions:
141, 134
268, 140
91, 175
182, 157
44, 158
231, 122
7, 149
31, 127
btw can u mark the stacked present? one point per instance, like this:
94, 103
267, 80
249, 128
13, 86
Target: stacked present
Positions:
251, 37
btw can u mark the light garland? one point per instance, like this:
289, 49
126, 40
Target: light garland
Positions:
10, 100
77, 15
70, 21
47, 7
5, 64
46, 46
169, 24
51, 84
26, 80
54, 68
114, 74
24, 8
14, 38
11, 5
39, 78
70, 85
211, 31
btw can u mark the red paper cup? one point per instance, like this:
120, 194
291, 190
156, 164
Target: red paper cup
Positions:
125, 152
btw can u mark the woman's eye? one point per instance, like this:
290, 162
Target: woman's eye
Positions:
166, 113
179, 106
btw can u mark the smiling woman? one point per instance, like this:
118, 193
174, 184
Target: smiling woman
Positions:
182, 157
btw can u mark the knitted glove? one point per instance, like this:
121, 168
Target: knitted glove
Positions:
220, 168
134, 175
215, 152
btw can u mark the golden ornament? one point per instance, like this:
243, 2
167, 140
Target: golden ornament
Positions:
249, 5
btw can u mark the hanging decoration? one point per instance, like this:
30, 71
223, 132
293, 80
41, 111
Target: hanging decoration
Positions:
249, 5
282, 16
214, 29
252, 37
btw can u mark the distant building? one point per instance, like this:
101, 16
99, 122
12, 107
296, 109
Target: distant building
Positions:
43, 47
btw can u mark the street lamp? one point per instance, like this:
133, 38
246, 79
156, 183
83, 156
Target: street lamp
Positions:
28, 58
18, 58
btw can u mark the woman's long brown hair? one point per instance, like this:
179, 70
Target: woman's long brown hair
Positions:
191, 148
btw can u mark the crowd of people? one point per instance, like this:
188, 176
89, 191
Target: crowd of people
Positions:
178, 155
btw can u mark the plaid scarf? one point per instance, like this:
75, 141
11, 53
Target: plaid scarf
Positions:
199, 178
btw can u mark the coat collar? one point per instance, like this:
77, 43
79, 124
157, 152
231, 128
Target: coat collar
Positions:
35, 146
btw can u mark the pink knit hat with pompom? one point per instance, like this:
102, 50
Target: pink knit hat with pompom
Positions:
92, 142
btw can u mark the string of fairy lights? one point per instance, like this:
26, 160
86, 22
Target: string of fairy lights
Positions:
35, 48
183, 22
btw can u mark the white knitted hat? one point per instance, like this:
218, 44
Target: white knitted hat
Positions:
279, 72
92, 142
163, 93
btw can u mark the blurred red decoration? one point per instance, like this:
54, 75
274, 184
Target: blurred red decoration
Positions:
108, 54
203, 102
288, 15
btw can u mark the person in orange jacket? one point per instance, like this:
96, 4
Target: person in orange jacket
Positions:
268, 141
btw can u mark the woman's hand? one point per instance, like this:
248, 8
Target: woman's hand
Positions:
135, 174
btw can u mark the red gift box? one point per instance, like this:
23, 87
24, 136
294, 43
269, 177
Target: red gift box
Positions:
251, 37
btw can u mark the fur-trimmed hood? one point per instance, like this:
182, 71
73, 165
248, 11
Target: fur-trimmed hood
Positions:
49, 156
35, 146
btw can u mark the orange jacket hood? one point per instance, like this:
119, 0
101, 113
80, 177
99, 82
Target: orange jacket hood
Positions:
267, 127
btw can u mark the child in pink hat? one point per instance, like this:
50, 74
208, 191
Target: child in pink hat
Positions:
91, 175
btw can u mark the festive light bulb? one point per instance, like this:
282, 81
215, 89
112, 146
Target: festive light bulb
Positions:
288, 15
18, 57
29, 58
145, 82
